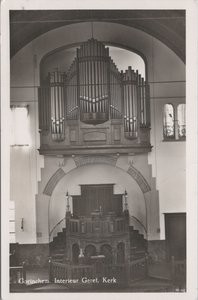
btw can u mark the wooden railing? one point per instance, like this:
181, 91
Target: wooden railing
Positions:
65, 271
55, 226
117, 271
18, 274
123, 273
138, 269
91, 227
178, 273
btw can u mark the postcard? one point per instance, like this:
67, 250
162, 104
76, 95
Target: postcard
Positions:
99, 139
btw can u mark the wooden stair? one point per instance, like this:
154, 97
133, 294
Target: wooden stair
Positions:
138, 244
57, 246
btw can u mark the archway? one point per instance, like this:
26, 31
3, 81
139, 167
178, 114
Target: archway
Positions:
86, 175
106, 250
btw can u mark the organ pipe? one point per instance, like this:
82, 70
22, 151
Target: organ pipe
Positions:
93, 60
44, 108
94, 91
56, 80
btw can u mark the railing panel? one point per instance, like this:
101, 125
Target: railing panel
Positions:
138, 269
179, 273
17, 274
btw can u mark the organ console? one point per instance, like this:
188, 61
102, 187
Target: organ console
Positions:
94, 92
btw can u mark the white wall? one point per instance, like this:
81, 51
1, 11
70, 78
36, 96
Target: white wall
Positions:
167, 158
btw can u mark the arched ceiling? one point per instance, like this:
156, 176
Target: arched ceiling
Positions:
166, 25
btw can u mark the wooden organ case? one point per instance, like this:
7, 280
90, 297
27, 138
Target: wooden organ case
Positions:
94, 107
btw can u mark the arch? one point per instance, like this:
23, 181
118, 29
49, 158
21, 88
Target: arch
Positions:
125, 47
107, 43
56, 177
97, 159
174, 39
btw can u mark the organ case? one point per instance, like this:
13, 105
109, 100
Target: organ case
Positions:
94, 95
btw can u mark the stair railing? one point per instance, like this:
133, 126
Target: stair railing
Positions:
139, 222
55, 226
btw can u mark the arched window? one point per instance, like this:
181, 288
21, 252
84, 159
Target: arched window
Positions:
169, 122
181, 117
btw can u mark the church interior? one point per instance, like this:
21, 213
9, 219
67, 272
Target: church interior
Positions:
97, 152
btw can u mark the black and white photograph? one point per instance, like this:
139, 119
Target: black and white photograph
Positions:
97, 151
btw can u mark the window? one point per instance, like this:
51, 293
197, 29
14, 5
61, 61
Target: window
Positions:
169, 122
181, 115
174, 122
19, 126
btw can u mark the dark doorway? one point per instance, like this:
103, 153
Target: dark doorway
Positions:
175, 229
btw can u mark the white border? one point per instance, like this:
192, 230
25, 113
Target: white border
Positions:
191, 178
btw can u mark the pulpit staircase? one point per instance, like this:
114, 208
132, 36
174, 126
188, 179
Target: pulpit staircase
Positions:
57, 246
138, 245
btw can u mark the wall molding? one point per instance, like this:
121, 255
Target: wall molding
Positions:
56, 177
139, 178
97, 159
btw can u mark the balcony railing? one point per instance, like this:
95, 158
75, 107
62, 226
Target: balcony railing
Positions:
103, 226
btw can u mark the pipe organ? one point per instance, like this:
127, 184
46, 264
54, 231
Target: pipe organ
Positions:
52, 105
136, 103
93, 78
113, 105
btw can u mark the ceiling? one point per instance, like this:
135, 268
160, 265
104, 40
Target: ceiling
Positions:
166, 25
